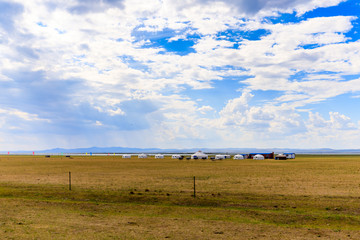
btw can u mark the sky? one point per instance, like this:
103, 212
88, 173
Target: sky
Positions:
179, 74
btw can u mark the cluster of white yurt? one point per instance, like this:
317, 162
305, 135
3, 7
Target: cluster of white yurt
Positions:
238, 156
258, 157
199, 155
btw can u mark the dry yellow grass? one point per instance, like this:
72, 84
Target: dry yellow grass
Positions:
115, 198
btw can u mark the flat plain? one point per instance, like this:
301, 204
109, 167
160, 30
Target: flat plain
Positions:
310, 197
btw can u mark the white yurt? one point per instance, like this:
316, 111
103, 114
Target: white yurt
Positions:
280, 157
126, 156
219, 157
199, 155
238, 156
258, 157
142, 155
176, 156
159, 156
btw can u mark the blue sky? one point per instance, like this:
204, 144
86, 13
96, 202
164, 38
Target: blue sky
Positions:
179, 74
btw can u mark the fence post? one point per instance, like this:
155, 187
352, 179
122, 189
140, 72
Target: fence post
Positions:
70, 181
194, 188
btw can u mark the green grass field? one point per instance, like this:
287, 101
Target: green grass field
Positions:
310, 197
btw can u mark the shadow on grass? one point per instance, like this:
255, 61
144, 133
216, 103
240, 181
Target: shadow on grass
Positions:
280, 210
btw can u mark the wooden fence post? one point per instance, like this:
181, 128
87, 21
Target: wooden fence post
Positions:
70, 181
194, 188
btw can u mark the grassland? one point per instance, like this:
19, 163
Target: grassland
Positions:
310, 197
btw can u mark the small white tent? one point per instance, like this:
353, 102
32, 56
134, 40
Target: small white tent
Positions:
142, 155
238, 156
258, 157
280, 157
219, 157
176, 156
159, 156
290, 155
199, 155
126, 156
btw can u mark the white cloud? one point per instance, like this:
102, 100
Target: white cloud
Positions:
340, 121
334, 132
313, 4
268, 118
259, 7
336, 121
205, 109
98, 123
22, 115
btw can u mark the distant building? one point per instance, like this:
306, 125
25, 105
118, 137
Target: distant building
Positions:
238, 156
258, 157
265, 155
280, 157
199, 155
176, 156
290, 155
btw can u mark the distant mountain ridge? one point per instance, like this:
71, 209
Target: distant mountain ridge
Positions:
192, 150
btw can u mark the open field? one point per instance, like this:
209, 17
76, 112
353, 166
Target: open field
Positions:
310, 197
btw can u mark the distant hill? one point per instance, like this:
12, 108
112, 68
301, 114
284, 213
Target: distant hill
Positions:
192, 150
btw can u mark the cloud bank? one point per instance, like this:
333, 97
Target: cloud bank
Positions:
170, 74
